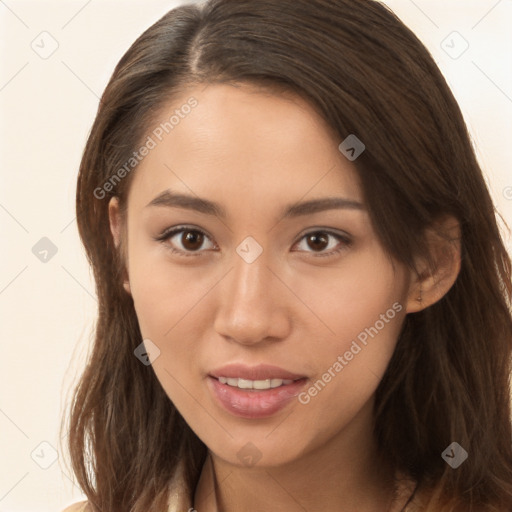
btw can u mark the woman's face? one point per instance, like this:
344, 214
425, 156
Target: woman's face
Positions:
264, 277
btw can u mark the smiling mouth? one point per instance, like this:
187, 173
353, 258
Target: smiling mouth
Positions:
253, 399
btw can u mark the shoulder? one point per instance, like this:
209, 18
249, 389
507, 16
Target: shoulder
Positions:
78, 507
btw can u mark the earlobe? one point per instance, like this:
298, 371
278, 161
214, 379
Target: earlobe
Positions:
429, 285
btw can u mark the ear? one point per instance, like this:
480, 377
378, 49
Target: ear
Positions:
430, 285
114, 216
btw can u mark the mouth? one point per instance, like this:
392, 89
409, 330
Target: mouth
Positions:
254, 392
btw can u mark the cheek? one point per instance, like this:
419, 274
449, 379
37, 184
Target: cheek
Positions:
349, 372
362, 314
168, 304
163, 292
347, 301
171, 304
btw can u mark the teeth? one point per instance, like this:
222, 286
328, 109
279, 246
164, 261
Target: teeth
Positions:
254, 384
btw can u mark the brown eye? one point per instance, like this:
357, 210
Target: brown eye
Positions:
324, 243
317, 241
185, 241
192, 240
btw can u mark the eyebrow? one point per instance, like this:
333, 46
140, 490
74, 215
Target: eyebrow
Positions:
174, 200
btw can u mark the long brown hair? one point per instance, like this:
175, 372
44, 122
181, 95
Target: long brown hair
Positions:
366, 74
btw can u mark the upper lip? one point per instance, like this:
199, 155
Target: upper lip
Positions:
259, 372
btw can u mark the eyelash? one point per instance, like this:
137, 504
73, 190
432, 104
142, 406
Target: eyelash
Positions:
170, 232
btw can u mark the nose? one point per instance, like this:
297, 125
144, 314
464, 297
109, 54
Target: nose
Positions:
253, 306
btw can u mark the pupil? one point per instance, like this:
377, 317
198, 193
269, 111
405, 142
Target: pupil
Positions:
316, 237
192, 238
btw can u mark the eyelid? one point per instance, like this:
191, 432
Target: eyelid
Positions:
168, 233
329, 231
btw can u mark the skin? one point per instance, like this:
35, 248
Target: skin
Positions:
254, 153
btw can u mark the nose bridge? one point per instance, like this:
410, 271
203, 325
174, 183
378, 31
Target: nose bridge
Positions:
249, 279
248, 311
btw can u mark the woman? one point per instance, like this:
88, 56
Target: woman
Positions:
303, 291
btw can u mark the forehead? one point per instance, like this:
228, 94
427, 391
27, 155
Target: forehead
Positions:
238, 141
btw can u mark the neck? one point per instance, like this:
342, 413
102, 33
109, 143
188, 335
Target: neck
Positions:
344, 474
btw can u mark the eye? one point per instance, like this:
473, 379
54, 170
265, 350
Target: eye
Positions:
192, 240
319, 241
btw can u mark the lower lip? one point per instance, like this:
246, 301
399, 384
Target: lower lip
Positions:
254, 403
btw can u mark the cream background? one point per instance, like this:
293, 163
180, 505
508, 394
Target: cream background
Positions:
47, 107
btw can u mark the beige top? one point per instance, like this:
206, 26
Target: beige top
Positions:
181, 501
